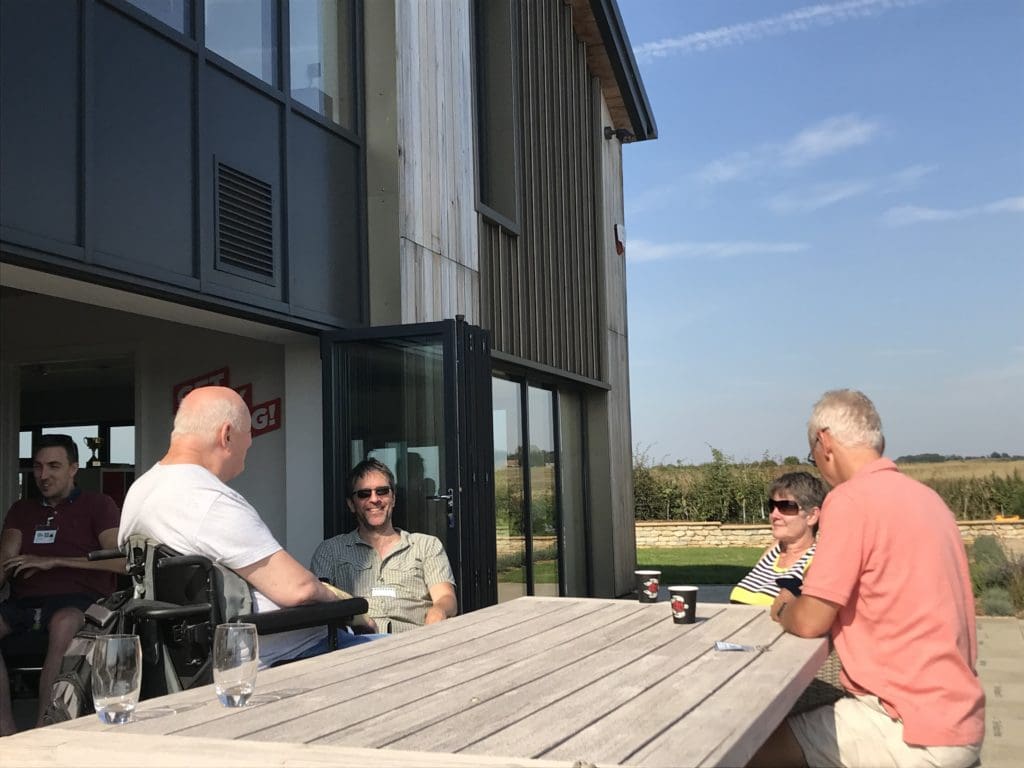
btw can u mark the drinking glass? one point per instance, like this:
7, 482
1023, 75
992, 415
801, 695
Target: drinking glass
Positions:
236, 656
116, 677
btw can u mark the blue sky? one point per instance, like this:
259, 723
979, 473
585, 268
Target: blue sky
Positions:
835, 199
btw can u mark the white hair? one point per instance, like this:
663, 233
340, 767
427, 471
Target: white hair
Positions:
850, 417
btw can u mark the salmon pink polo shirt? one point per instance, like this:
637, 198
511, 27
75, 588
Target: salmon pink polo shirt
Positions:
891, 556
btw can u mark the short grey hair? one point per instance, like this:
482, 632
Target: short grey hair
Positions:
808, 490
206, 419
850, 417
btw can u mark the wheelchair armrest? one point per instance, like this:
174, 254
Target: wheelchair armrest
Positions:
304, 616
181, 561
156, 609
104, 554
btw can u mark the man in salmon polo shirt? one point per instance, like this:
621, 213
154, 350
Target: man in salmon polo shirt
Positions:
890, 582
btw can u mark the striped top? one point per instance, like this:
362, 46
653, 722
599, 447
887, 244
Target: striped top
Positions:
758, 587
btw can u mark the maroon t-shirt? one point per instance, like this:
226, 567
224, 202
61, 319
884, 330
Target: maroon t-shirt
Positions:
79, 520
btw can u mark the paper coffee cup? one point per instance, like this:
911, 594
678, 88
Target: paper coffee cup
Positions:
683, 602
647, 585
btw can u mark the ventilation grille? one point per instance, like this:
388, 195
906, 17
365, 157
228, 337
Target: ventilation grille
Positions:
245, 224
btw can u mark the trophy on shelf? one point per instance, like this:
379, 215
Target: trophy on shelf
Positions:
94, 443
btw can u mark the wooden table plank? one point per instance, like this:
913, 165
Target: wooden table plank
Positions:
775, 679
564, 679
61, 748
287, 685
466, 711
656, 689
398, 710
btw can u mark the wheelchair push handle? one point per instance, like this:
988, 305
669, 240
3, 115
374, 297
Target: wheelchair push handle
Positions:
104, 554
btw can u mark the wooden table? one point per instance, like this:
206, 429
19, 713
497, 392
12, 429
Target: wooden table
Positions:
559, 680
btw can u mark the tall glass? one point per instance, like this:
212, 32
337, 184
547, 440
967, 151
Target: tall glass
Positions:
236, 657
116, 677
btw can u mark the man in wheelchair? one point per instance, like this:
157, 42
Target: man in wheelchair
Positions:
184, 503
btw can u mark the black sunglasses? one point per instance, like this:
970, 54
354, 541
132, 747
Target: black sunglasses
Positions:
364, 493
785, 506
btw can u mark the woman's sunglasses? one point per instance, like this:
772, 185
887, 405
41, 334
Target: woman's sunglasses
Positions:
364, 493
785, 506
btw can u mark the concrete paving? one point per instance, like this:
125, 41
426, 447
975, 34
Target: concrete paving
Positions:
1001, 669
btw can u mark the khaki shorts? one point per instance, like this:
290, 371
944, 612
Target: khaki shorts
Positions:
857, 731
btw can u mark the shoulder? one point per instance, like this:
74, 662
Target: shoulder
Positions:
425, 542
96, 501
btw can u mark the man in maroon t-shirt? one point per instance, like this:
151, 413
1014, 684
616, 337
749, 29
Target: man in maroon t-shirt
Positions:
43, 551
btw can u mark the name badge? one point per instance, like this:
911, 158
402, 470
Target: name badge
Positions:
45, 536
384, 592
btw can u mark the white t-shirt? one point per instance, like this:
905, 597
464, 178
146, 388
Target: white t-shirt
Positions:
187, 508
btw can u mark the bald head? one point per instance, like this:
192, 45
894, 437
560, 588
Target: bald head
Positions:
212, 428
205, 410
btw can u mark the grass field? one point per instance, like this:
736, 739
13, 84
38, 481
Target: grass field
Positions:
948, 470
700, 565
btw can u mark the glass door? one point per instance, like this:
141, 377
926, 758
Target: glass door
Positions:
412, 397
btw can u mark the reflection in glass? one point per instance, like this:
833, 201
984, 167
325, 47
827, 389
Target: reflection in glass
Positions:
393, 395
244, 32
570, 473
322, 57
174, 13
508, 490
543, 492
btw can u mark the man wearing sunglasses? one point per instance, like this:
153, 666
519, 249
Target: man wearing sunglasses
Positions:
405, 577
890, 584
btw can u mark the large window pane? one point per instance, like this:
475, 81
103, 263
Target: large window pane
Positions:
174, 13
570, 472
508, 489
543, 492
322, 57
122, 445
244, 32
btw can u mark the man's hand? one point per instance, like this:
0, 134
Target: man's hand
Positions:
434, 615
784, 598
26, 566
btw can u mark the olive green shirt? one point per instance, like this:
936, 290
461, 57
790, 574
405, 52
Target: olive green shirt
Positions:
397, 588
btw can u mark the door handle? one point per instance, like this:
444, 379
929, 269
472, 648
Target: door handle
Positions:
447, 497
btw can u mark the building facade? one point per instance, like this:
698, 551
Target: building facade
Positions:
394, 226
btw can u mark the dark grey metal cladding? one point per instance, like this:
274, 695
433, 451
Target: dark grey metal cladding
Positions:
112, 127
541, 287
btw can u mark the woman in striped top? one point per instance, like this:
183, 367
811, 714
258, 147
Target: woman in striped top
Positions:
794, 504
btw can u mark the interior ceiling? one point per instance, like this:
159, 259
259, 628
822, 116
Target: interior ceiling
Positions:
104, 373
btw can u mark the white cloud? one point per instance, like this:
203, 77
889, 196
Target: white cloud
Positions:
829, 137
815, 142
915, 214
644, 250
800, 20
817, 197
826, 194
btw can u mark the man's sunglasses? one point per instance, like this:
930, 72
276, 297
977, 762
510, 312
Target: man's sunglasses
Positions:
364, 493
785, 506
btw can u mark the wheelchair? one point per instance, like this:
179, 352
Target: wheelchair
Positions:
174, 604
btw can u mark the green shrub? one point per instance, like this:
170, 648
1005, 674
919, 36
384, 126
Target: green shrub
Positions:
988, 549
1015, 582
995, 601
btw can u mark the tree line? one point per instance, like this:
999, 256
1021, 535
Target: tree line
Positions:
731, 492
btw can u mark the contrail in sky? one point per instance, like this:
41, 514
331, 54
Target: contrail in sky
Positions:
820, 15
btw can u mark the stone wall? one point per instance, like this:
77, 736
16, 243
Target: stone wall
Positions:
652, 534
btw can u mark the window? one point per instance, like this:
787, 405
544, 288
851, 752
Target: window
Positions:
496, 113
176, 14
244, 32
322, 48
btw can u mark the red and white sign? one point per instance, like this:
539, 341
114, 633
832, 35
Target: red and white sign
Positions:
219, 378
266, 417
245, 390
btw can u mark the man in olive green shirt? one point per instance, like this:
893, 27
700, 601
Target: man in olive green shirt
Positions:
405, 577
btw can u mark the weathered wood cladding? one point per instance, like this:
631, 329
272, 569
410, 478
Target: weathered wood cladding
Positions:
542, 286
436, 174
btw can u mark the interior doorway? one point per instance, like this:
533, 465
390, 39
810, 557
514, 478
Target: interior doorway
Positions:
92, 399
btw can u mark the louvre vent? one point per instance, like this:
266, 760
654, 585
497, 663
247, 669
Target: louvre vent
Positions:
245, 224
